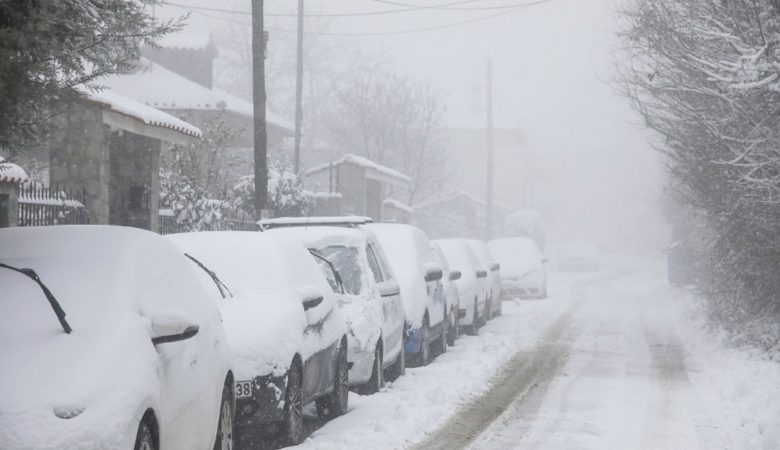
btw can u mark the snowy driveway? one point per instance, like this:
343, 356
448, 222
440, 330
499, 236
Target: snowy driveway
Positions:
601, 364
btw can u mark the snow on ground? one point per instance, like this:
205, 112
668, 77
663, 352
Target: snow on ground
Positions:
643, 372
426, 397
631, 364
745, 381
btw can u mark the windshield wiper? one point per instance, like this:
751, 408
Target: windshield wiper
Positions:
336, 273
55, 305
220, 285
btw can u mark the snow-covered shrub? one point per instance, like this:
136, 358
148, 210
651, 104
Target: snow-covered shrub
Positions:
706, 77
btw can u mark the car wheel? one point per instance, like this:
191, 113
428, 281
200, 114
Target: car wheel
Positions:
454, 329
445, 331
424, 357
497, 310
398, 369
224, 439
144, 440
335, 404
377, 380
292, 426
474, 328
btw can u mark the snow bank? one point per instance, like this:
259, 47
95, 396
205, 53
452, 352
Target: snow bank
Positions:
741, 383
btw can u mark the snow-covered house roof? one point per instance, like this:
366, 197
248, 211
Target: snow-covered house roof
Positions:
461, 194
373, 170
10, 173
397, 204
186, 41
159, 87
127, 107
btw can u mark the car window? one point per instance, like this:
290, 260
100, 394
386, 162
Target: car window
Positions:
381, 260
373, 264
345, 259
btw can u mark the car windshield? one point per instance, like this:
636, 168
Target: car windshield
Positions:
345, 260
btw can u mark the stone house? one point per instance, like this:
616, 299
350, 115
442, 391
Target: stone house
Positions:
109, 146
364, 188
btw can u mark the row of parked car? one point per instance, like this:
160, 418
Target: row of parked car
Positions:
120, 338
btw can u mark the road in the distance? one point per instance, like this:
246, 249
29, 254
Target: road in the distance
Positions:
609, 374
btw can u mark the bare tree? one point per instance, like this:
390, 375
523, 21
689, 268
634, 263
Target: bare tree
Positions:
394, 121
705, 75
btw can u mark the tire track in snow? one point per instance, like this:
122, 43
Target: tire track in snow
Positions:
526, 373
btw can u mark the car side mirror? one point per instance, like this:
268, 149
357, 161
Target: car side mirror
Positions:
481, 273
389, 288
168, 328
545, 260
455, 275
433, 275
312, 302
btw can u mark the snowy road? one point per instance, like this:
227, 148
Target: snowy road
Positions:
601, 364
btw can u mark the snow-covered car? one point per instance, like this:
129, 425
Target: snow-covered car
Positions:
422, 293
494, 276
108, 342
472, 284
283, 325
370, 302
579, 256
523, 267
451, 295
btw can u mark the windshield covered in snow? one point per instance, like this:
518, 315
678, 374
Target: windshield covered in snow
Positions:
345, 260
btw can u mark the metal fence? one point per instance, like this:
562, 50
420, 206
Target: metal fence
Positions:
41, 205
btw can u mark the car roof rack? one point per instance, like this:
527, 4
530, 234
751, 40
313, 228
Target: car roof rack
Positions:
324, 221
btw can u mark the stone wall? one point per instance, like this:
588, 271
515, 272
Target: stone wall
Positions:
78, 157
9, 208
134, 186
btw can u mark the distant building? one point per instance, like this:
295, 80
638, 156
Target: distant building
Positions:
365, 188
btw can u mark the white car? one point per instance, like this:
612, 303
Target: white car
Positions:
451, 295
472, 283
370, 302
494, 276
523, 270
579, 256
283, 325
109, 341
422, 293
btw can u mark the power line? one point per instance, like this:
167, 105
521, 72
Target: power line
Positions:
407, 8
425, 29
446, 7
389, 33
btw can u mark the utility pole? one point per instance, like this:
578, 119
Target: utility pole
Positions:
299, 90
489, 190
258, 100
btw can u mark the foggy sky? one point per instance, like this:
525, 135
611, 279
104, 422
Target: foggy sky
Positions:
594, 173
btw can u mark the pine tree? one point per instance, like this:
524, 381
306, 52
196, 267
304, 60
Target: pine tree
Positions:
49, 46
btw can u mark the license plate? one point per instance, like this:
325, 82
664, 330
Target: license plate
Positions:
243, 389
